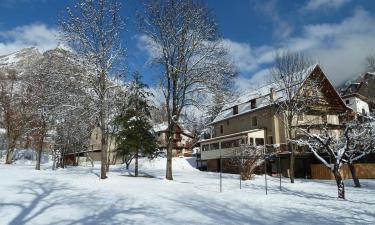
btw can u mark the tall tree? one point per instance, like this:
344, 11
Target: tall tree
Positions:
93, 29
55, 91
289, 72
134, 135
14, 106
189, 52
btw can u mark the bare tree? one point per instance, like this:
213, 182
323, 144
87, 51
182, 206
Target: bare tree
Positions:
289, 72
324, 143
356, 142
14, 107
188, 50
247, 158
93, 29
370, 63
360, 142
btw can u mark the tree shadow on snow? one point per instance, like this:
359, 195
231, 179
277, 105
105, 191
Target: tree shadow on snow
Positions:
41, 197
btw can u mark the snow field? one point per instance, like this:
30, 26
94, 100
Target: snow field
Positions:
77, 196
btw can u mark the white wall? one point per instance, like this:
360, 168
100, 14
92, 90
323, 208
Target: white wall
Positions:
357, 105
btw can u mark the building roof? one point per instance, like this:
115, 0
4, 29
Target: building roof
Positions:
262, 96
354, 86
163, 127
356, 95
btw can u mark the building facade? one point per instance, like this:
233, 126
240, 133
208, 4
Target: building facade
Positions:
254, 119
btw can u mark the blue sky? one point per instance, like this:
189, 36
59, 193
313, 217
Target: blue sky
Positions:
338, 34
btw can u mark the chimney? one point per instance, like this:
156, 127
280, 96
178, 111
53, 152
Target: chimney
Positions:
272, 94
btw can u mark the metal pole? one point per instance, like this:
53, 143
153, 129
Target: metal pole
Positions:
221, 171
240, 168
240, 179
265, 162
280, 171
265, 173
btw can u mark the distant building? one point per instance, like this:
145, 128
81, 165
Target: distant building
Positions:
360, 92
252, 120
357, 103
94, 150
182, 139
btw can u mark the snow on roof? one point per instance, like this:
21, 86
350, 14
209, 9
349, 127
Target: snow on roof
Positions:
2, 131
261, 95
164, 127
160, 127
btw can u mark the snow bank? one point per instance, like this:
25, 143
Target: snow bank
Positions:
179, 164
25, 156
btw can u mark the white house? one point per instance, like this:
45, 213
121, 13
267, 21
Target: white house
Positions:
357, 103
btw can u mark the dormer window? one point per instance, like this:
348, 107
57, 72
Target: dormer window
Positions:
347, 101
235, 109
253, 103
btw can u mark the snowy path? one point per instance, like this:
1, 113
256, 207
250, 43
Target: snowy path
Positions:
77, 196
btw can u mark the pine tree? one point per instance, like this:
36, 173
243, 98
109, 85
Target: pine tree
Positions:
134, 136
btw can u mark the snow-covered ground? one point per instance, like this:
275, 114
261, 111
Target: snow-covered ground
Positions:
76, 196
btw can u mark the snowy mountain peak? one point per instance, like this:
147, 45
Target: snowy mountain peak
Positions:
13, 59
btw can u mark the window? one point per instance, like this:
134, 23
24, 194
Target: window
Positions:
214, 146
251, 141
226, 144
96, 138
204, 148
221, 129
253, 103
259, 141
230, 144
254, 121
347, 101
364, 112
228, 122
235, 109
300, 117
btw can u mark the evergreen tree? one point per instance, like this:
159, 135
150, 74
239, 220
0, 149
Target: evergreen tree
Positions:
134, 136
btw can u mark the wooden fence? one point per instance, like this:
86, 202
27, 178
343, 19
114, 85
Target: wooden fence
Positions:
364, 171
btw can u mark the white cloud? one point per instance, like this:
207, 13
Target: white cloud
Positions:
158, 96
340, 48
281, 28
241, 54
146, 44
34, 35
324, 4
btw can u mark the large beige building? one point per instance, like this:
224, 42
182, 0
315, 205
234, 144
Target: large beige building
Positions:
252, 119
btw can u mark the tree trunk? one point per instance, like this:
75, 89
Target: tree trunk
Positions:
340, 184
54, 157
354, 175
9, 156
292, 159
39, 153
136, 164
168, 175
